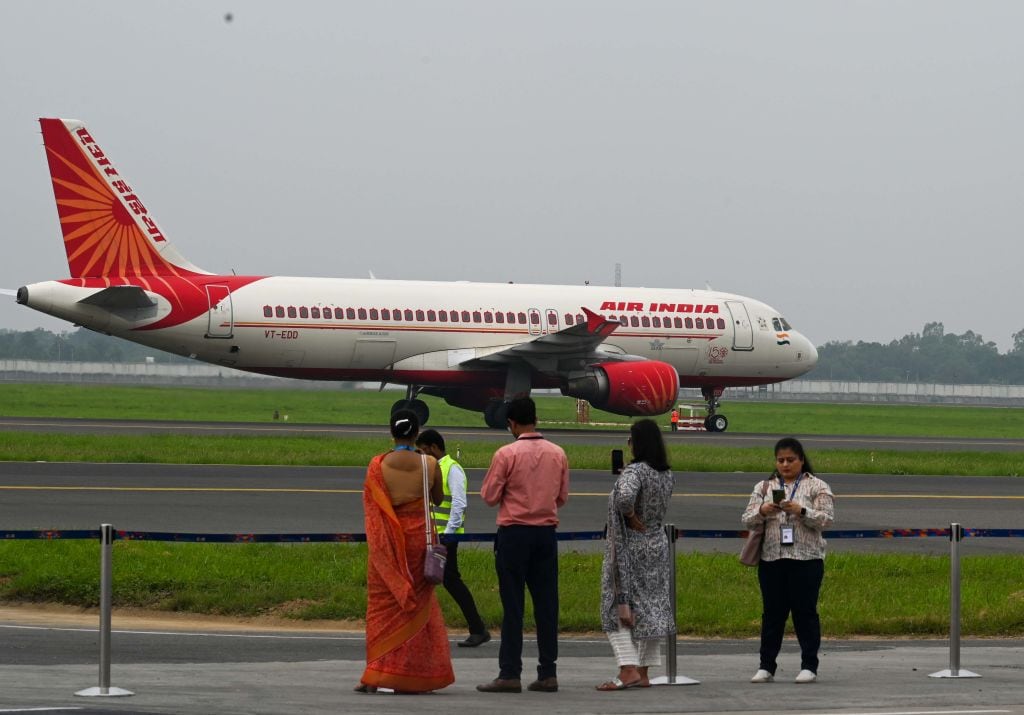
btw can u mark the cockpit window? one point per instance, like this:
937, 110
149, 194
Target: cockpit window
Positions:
777, 325
785, 325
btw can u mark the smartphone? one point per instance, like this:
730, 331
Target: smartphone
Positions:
778, 495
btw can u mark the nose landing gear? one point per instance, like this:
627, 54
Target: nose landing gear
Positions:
714, 422
412, 402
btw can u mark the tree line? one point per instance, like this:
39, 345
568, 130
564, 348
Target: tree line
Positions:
932, 356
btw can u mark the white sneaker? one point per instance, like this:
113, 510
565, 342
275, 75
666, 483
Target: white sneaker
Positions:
763, 676
805, 676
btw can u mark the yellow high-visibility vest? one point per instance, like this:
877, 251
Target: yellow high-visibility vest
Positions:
442, 512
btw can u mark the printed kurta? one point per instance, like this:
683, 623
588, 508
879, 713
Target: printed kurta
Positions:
641, 558
406, 641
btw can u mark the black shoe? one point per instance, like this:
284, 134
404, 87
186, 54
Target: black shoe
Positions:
474, 640
544, 685
501, 685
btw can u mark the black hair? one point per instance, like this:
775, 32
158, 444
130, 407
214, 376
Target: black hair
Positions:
647, 444
523, 411
793, 444
431, 438
404, 424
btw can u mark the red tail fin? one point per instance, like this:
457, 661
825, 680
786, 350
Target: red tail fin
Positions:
107, 229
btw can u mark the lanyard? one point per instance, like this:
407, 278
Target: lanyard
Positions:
404, 447
792, 492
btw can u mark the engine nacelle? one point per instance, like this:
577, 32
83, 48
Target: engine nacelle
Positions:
644, 387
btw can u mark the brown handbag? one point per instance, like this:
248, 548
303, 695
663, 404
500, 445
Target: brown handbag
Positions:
750, 554
437, 554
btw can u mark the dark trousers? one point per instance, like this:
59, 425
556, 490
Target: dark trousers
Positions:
788, 585
527, 556
457, 589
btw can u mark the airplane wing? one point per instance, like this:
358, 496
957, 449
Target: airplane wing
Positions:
8, 291
579, 342
120, 298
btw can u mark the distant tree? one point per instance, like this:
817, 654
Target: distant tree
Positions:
1018, 342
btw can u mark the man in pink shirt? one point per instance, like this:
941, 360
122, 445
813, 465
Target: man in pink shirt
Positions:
528, 480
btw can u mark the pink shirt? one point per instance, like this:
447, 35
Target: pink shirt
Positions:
529, 479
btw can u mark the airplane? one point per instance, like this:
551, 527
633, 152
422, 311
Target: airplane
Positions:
475, 345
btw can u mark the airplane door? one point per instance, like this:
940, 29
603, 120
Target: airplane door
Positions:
221, 320
534, 321
551, 321
742, 330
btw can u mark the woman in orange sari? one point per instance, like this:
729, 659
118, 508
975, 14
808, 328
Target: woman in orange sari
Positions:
407, 646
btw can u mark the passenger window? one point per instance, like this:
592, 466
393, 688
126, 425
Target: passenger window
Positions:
419, 315
579, 317
350, 313
408, 315
396, 314
314, 313
522, 318
373, 314
442, 315
268, 312
279, 310
700, 323
656, 320
361, 312
431, 316
721, 323
385, 314
476, 316
634, 321
488, 316
303, 312
678, 321
645, 321
338, 314
465, 316
291, 312
499, 317
689, 323
510, 317
568, 318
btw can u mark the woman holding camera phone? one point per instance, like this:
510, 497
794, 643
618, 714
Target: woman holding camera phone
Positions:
636, 609
795, 507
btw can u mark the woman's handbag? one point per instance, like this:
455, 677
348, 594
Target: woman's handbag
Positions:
436, 554
750, 554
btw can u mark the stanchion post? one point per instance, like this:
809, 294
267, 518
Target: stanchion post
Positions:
106, 603
956, 534
670, 640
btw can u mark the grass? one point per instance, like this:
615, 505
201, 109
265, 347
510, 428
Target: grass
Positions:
716, 596
332, 451
364, 407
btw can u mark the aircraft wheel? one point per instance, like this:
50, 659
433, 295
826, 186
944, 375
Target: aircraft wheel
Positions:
400, 405
421, 409
719, 423
496, 414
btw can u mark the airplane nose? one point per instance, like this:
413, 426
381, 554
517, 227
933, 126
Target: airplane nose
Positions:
812, 353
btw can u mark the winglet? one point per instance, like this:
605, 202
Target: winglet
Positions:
598, 324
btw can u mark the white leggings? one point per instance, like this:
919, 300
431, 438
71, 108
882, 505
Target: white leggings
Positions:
642, 653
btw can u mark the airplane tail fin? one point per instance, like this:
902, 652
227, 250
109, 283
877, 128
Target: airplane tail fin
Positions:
108, 231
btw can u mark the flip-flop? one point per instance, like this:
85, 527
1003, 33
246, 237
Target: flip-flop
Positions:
364, 688
616, 684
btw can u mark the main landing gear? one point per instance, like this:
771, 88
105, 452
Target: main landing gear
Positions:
412, 402
517, 384
714, 422
496, 414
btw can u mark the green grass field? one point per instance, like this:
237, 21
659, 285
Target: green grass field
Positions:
362, 407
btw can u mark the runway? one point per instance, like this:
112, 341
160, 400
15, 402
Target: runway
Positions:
559, 434
289, 499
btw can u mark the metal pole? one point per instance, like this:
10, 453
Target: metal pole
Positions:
956, 533
670, 640
106, 602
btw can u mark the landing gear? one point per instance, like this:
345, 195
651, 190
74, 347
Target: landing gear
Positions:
496, 414
714, 422
411, 402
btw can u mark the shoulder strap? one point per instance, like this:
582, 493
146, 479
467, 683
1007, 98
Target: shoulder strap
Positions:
428, 517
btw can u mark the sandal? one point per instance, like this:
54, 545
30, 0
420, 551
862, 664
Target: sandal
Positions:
616, 684
364, 688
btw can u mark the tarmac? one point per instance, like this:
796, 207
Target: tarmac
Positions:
205, 667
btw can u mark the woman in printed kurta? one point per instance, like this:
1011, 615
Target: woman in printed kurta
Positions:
636, 561
406, 642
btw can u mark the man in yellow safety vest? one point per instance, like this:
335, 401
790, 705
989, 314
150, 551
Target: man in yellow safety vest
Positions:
450, 518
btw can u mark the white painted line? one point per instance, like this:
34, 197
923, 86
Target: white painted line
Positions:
39, 710
927, 712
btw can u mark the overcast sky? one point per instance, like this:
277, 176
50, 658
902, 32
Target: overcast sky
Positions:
857, 165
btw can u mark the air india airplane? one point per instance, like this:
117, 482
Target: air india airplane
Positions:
476, 345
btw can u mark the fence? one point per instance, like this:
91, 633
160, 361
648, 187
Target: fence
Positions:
107, 535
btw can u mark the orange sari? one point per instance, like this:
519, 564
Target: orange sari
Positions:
406, 641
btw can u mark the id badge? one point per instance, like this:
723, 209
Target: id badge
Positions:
787, 536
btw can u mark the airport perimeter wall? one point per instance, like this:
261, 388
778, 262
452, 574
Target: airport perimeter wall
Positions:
203, 375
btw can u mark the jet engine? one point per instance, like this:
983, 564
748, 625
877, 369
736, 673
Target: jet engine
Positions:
646, 387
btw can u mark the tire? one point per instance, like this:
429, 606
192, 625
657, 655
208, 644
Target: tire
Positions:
400, 405
496, 414
719, 423
421, 409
